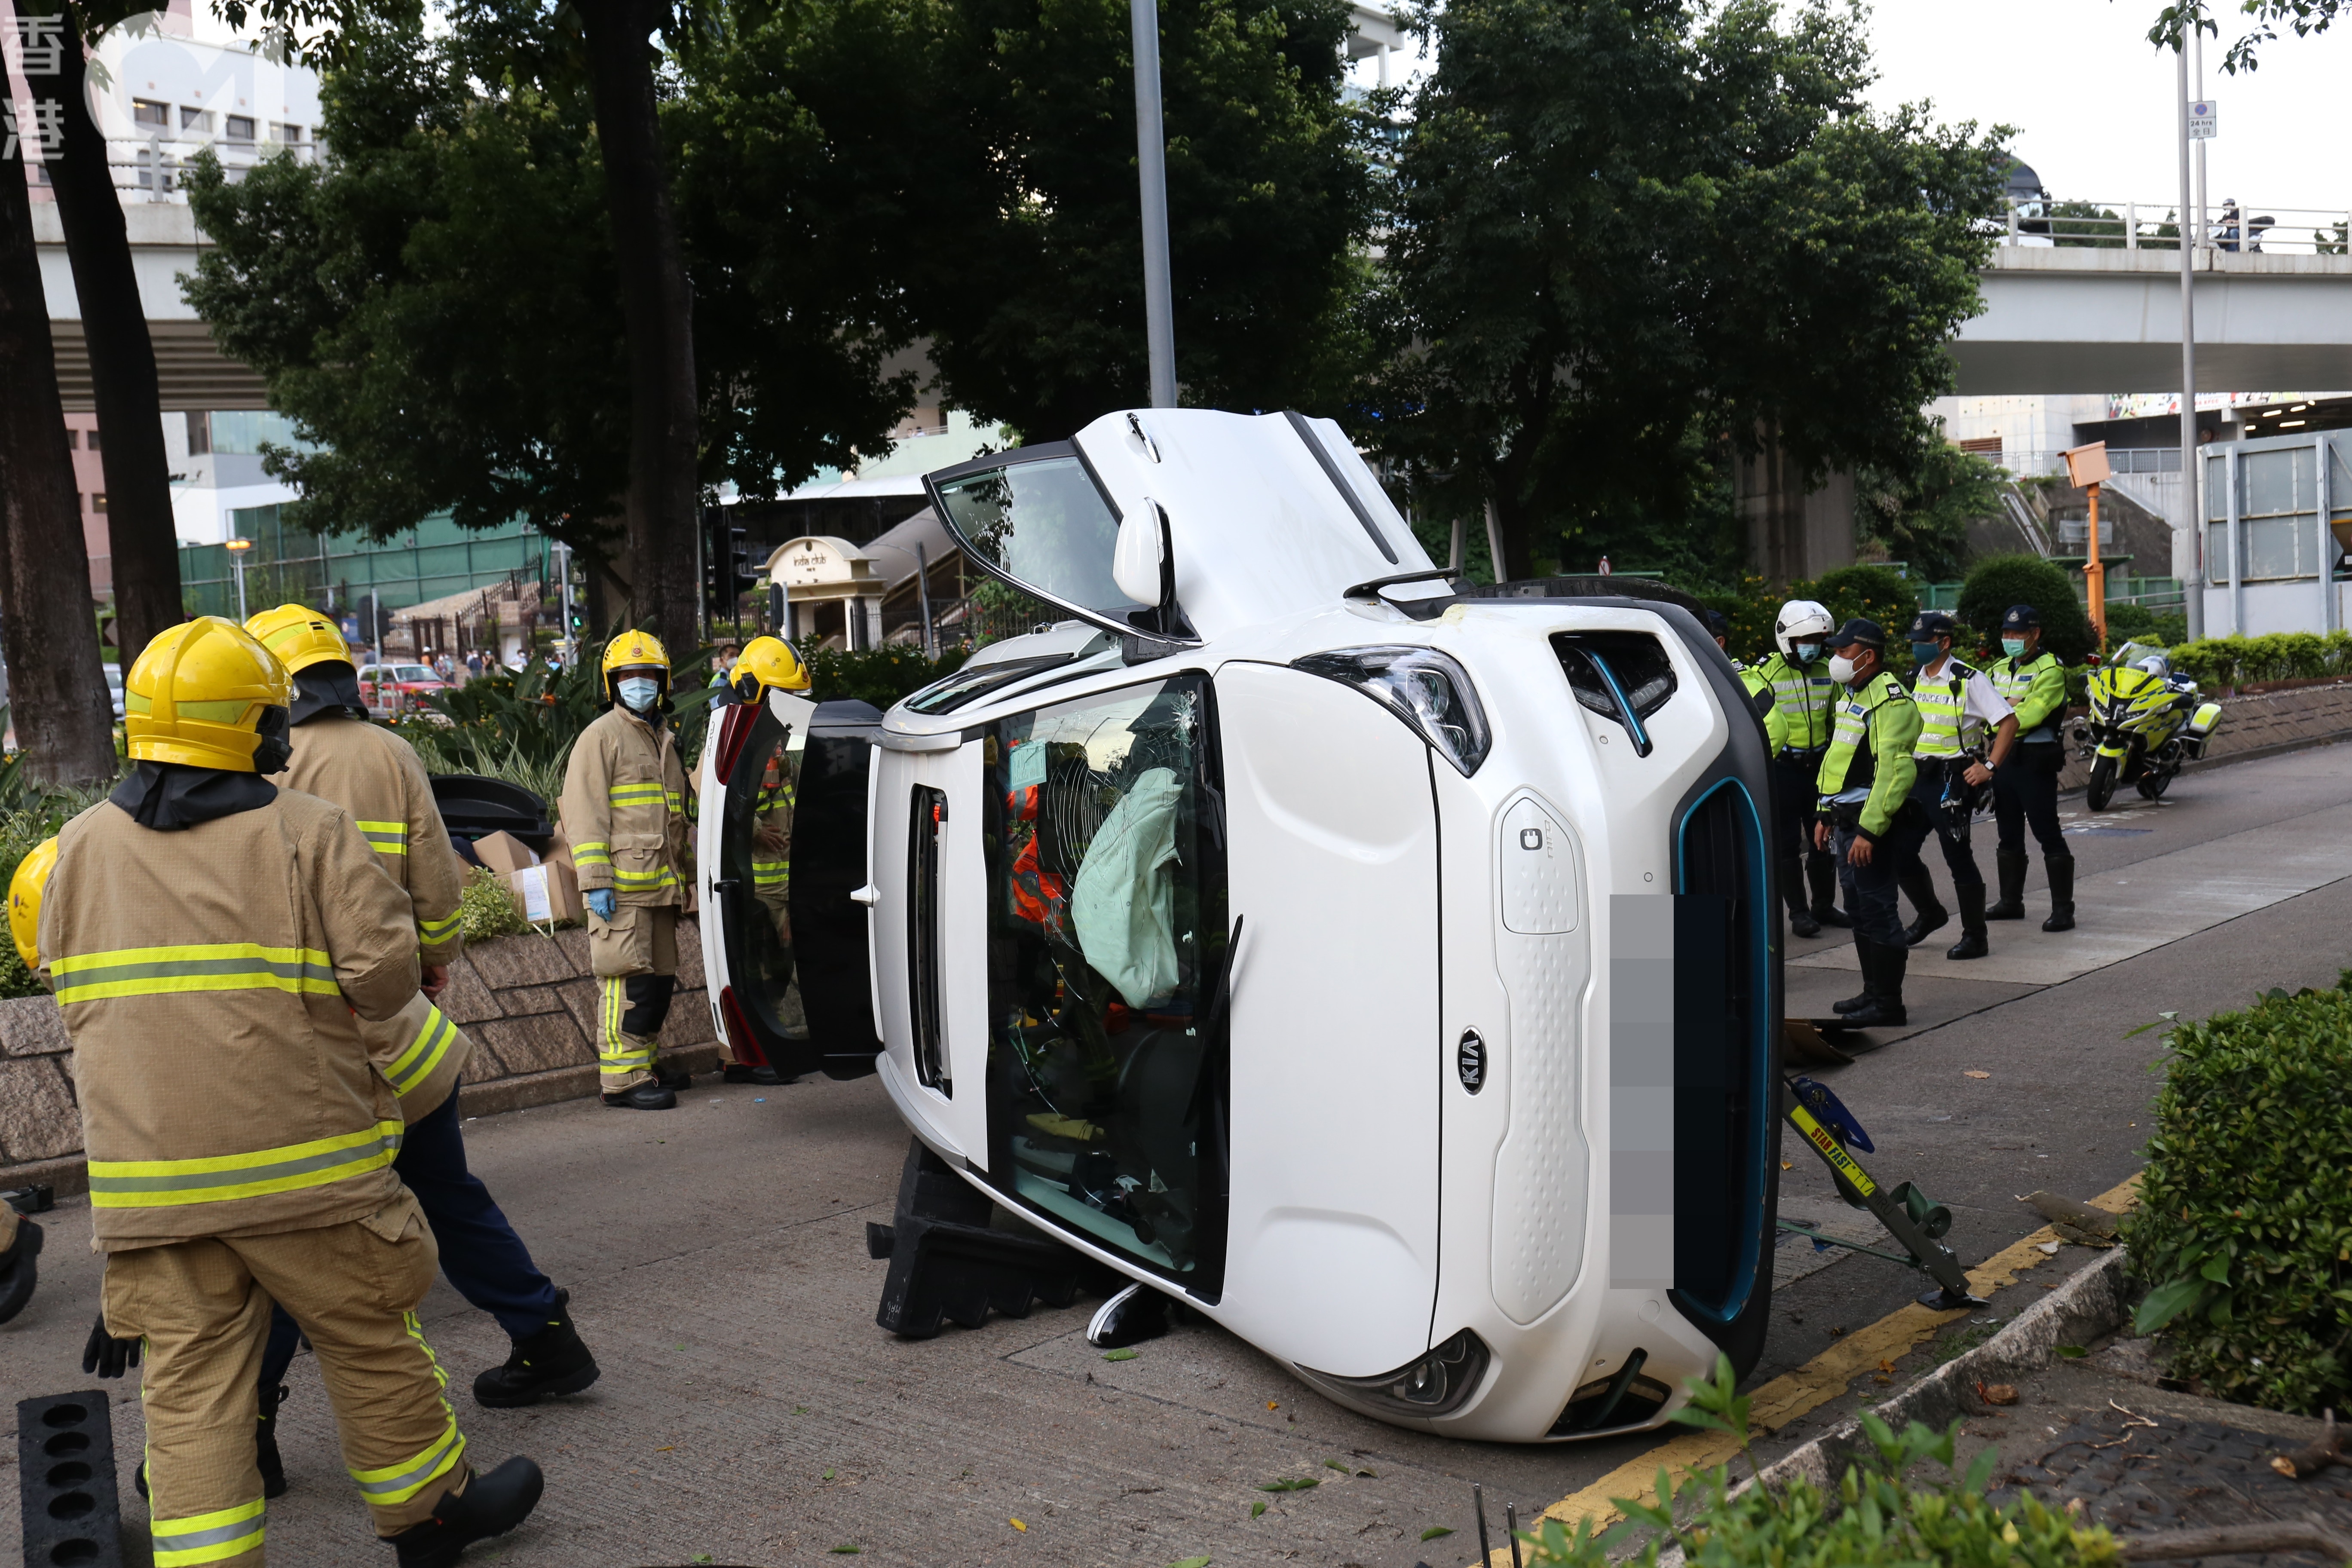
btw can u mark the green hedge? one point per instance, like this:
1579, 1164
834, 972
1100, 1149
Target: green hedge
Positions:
880, 676
2281, 655
2244, 1225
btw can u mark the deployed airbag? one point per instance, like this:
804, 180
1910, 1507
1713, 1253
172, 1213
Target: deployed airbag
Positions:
1122, 903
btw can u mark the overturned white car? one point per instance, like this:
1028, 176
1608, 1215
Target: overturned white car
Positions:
1382, 967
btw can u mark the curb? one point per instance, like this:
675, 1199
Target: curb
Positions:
2090, 1304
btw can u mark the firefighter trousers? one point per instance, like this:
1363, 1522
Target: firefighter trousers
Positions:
634, 957
202, 1307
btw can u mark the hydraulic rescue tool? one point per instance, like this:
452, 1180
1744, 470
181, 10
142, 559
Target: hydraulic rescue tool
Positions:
1910, 1215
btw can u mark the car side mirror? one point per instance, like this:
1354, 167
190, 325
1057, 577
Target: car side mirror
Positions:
1143, 561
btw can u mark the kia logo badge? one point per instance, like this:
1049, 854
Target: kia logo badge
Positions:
1470, 1061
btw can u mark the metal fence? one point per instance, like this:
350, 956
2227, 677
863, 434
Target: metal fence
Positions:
287, 565
2156, 226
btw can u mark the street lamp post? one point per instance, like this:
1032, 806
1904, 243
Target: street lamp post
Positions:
562, 553
2191, 550
1152, 167
237, 549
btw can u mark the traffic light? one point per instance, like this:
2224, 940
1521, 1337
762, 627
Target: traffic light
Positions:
743, 563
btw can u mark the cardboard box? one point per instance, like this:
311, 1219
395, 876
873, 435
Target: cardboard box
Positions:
504, 853
545, 893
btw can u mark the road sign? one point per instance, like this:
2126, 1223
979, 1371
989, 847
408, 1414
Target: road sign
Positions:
2204, 121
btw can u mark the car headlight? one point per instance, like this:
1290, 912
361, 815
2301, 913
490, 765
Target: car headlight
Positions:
1428, 689
1437, 1384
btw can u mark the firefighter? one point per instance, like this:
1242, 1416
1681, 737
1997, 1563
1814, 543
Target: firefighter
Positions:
625, 811
20, 1239
2025, 792
1805, 701
1966, 731
769, 664
372, 773
1868, 812
217, 946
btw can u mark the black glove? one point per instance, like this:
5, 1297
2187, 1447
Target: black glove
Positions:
106, 1355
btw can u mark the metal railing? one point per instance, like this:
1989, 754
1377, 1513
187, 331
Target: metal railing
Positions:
2155, 226
158, 165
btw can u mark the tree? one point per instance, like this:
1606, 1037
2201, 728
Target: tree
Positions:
1618, 225
56, 693
2304, 17
1922, 515
143, 541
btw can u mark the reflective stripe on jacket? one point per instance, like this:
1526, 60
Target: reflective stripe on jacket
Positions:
1804, 700
625, 810
226, 1085
2036, 688
1882, 714
377, 777
1943, 708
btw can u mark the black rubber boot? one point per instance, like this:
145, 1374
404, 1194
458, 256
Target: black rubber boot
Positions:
1869, 994
1821, 871
645, 1097
265, 1444
2009, 865
2061, 869
552, 1361
738, 1073
1920, 889
1972, 944
676, 1082
20, 1270
491, 1505
1792, 893
1885, 1009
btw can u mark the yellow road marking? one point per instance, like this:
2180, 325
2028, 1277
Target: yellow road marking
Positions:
1808, 1388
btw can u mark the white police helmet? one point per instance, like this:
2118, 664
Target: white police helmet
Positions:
1802, 619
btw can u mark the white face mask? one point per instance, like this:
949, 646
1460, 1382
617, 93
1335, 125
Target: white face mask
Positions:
638, 692
1842, 670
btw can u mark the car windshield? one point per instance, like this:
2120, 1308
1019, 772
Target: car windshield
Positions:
1043, 525
414, 672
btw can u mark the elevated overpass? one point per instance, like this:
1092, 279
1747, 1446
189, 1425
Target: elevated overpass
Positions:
195, 374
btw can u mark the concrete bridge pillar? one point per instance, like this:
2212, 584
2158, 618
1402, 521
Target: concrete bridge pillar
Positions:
1793, 532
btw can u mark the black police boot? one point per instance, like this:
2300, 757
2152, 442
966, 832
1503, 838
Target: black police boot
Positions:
738, 1073
265, 1445
1920, 889
2009, 865
645, 1097
1861, 946
1972, 944
1885, 1009
1793, 892
1821, 871
491, 1505
2061, 891
19, 1270
552, 1361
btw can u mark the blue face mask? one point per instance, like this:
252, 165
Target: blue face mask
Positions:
1924, 654
1808, 651
2013, 647
637, 692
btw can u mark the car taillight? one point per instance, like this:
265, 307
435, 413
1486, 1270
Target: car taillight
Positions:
739, 1030
732, 736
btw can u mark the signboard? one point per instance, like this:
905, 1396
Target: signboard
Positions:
2204, 121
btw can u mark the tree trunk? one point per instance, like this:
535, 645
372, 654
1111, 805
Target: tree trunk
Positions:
49, 625
143, 538
656, 313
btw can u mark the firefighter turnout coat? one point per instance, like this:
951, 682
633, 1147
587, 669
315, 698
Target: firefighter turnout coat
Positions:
625, 797
378, 778
216, 982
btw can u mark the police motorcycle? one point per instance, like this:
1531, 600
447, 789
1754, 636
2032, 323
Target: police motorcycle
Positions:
1379, 966
2143, 724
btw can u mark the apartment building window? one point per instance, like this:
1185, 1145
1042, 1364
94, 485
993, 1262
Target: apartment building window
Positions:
73, 438
289, 136
240, 127
199, 120
92, 443
147, 112
98, 500
200, 434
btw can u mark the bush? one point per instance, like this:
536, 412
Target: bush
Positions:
1876, 1518
2279, 656
2000, 581
880, 676
1875, 592
2244, 1225
486, 907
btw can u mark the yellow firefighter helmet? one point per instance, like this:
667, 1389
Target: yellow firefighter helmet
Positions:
198, 693
25, 899
634, 650
300, 637
767, 661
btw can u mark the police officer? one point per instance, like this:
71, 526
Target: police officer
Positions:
2025, 791
1958, 708
216, 945
1868, 816
625, 811
1797, 728
372, 773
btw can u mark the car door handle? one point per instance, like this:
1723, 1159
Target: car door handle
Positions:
868, 895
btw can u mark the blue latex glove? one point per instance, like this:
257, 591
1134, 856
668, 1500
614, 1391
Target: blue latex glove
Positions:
604, 904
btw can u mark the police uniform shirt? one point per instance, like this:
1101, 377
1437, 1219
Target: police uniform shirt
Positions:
1982, 706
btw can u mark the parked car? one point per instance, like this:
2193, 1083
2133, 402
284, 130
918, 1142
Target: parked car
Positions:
114, 688
394, 688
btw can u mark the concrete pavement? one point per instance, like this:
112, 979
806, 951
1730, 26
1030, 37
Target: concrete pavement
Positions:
750, 1412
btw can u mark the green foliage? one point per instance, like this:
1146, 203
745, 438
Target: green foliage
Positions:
2244, 1225
486, 907
1604, 279
27, 816
1871, 592
1876, 1520
1921, 511
880, 676
2279, 656
1997, 582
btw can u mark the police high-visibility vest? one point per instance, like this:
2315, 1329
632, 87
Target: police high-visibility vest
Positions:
1804, 700
1943, 704
1882, 714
